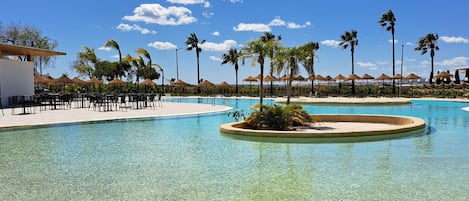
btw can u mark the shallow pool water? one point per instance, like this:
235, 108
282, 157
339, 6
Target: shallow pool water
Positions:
187, 159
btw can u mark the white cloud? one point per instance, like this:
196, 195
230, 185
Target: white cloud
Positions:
456, 61
218, 47
331, 43
236, 1
276, 22
214, 58
157, 14
216, 33
409, 43
366, 64
162, 45
105, 49
116, 56
127, 28
252, 27
395, 41
207, 14
190, 2
292, 25
453, 39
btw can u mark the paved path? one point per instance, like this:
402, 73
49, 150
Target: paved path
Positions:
48, 117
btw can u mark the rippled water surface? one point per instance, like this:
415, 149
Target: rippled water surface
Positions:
187, 159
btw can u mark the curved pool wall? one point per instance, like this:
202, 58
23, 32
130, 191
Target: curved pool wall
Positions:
402, 126
187, 159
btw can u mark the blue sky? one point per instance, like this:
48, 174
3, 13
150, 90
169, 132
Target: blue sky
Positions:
161, 26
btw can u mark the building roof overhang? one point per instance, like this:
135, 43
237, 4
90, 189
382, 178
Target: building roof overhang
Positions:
17, 50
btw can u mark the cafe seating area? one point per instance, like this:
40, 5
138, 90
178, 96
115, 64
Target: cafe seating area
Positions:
100, 102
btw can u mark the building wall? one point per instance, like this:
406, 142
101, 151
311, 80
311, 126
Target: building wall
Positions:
16, 78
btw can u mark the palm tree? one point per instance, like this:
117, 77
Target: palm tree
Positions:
192, 42
388, 20
113, 44
308, 54
146, 55
268, 36
86, 60
349, 38
288, 58
256, 50
428, 42
232, 57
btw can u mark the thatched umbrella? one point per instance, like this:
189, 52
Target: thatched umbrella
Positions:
38, 79
412, 77
117, 82
78, 81
443, 75
367, 77
223, 86
94, 81
206, 83
250, 79
180, 83
339, 77
383, 77
147, 83
63, 81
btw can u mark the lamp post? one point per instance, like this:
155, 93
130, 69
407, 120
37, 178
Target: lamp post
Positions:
177, 64
402, 64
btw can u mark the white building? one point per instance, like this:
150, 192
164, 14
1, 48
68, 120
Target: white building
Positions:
17, 77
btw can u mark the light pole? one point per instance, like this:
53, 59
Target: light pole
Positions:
177, 64
402, 64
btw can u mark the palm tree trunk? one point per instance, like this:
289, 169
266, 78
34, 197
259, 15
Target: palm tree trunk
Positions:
353, 71
393, 67
261, 85
432, 54
290, 80
236, 70
198, 70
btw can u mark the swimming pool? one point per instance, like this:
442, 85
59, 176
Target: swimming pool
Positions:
187, 159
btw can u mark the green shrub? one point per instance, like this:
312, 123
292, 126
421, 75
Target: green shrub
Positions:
275, 117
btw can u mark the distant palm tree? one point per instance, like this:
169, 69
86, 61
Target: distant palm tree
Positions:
233, 58
193, 42
268, 36
349, 38
308, 52
256, 51
146, 55
388, 20
424, 44
288, 58
86, 60
113, 44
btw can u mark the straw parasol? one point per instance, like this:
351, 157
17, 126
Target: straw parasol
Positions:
94, 80
38, 79
339, 77
383, 77
366, 76
116, 81
443, 74
206, 83
397, 77
78, 81
63, 80
269, 78
352, 77
224, 85
147, 82
412, 76
180, 83
250, 79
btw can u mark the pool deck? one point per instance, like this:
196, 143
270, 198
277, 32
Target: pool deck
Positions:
77, 115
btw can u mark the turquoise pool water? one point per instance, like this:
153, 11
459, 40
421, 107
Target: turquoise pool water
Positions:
188, 159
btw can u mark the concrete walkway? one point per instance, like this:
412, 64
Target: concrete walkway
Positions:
61, 116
